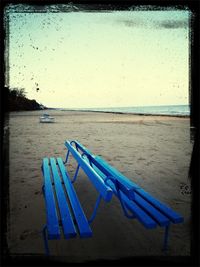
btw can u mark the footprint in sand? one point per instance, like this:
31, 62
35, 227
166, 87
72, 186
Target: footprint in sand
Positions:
141, 158
38, 192
28, 233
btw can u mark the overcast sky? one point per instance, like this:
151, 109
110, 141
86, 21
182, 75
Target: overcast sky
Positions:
100, 59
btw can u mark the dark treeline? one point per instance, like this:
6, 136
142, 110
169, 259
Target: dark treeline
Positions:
15, 100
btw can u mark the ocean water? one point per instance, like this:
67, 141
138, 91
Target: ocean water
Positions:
171, 110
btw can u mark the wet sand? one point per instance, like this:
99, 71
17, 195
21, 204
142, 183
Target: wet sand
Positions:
153, 151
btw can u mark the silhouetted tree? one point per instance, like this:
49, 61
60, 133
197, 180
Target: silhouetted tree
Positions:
15, 99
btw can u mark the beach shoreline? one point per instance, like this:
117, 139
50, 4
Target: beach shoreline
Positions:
154, 151
118, 112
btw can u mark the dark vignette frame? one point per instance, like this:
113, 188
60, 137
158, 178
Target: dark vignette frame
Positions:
38, 260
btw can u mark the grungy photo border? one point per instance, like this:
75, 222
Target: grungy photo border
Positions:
61, 6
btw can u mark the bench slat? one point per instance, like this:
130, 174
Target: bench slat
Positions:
108, 170
66, 218
126, 187
152, 211
52, 217
138, 211
141, 215
97, 181
163, 208
128, 190
112, 171
82, 148
167, 211
82, 222
145, 205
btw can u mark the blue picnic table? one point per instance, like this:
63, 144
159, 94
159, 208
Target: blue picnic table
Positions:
64, 212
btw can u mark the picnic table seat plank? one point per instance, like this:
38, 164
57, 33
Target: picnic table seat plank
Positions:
81, 220
102, 165
161, 212
157, 215
97, 181
52, 217
90, 158
161, 219
128, 190
144, 205
66, 218
142, 216
167, 211
82, 148
163, 208
145, 218
112, 171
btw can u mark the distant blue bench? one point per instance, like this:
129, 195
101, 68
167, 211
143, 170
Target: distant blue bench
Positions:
64, 211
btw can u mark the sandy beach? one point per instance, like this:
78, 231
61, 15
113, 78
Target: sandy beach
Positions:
153, 151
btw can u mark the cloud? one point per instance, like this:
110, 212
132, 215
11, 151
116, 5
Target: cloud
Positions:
173, 24
159, 23
133, 23
157, 20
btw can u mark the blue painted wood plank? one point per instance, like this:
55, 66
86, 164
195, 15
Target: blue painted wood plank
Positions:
163, 208
52, 217
105, 169
97, 181
166, 210
66, 218
112, 171
139, 213
127, 187
82, 148
161, 219
82, 222
145, 205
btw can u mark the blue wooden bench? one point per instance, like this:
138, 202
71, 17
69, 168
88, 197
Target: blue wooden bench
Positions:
64, 212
